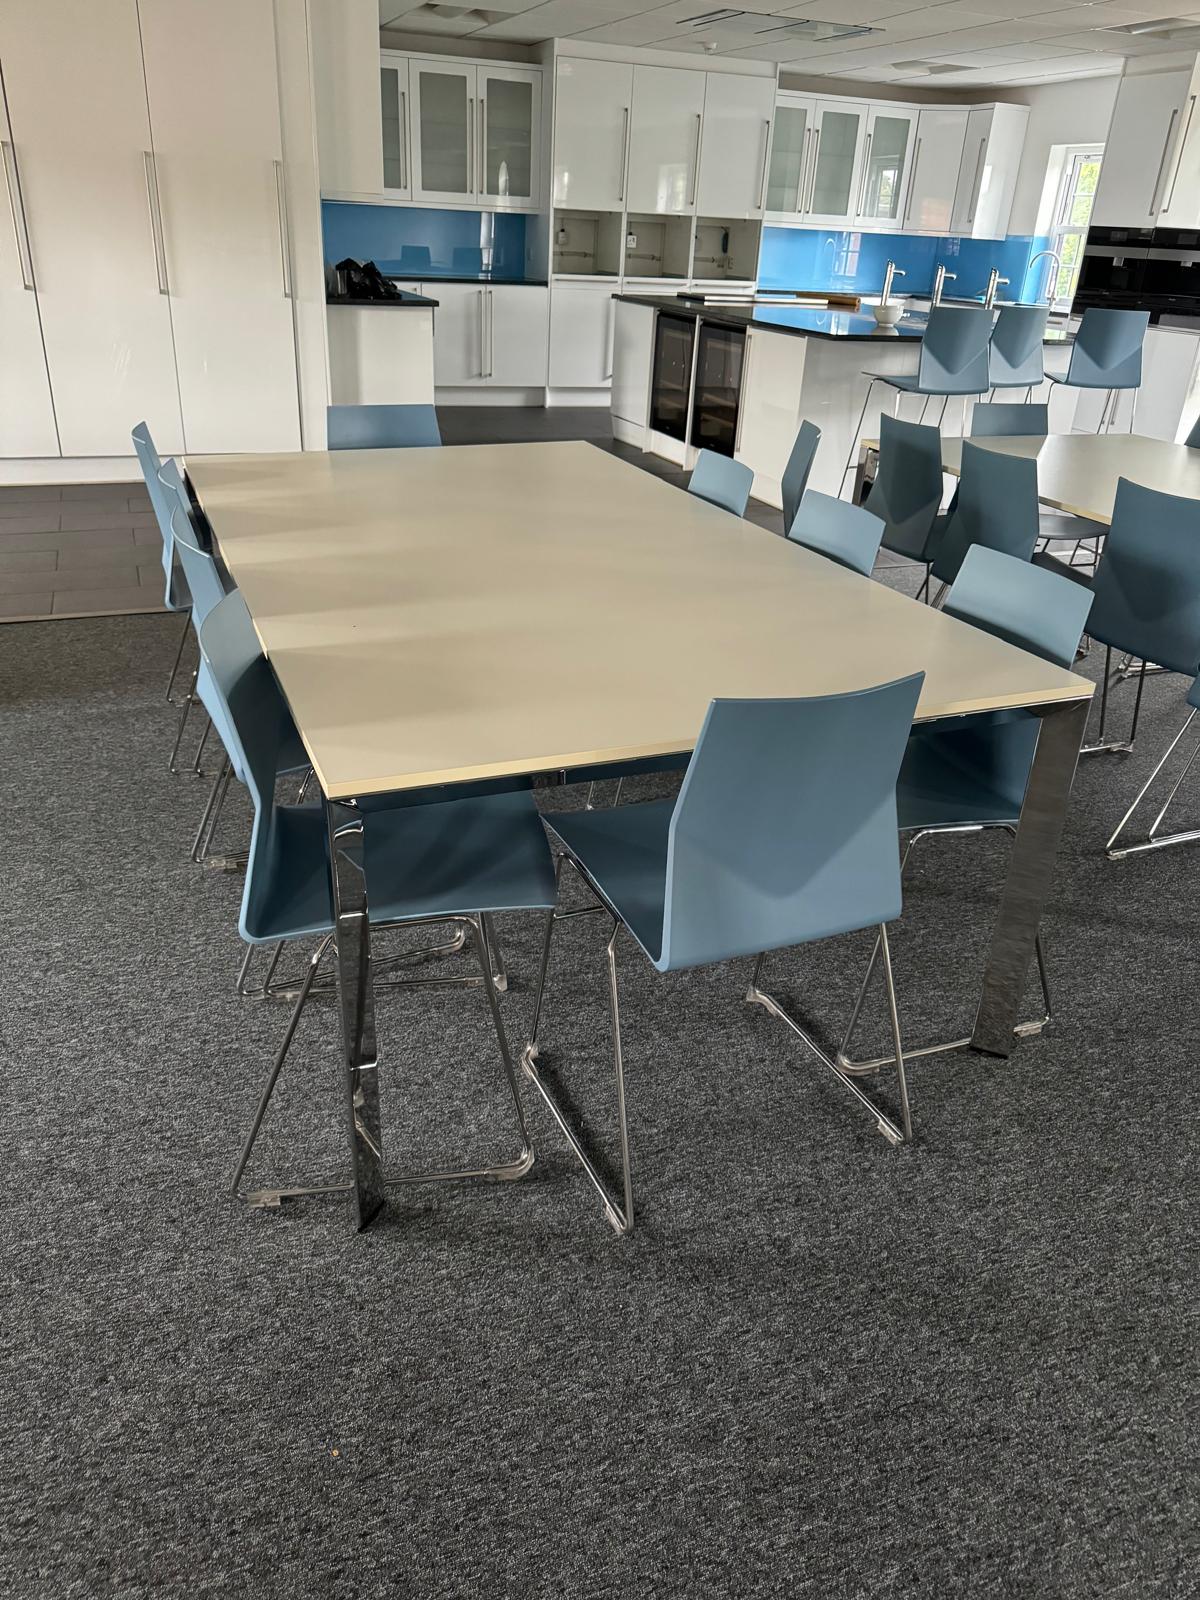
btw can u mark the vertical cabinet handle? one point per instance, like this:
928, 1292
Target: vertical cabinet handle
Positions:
482, 145
1162, 161
1179, 158
17, 207
285, 258
812, 170
762, 182
866, 178
696, 161
482, 334
156, 233
403, 139
471, 149
912, 182
611, 340
491, 335
977, 185
624, 156
802, 181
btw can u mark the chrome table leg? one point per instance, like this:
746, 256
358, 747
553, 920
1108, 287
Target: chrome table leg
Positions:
357, 1003
1030, 873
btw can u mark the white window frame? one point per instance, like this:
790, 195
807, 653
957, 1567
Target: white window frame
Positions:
1061, 228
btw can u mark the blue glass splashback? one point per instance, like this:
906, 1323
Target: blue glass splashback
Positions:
415, 239
823, 258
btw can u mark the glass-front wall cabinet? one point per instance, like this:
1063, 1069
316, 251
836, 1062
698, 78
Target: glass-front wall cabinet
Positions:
837, 136
886, 165
393, 98
787, 179
474, 133
509, 123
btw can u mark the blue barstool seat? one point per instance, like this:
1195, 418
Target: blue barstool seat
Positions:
783, 833
1106, 354
721, 481
382, 427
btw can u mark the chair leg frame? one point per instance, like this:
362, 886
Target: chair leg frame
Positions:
187, 622
1105, 746
1153, 840
185, 705
287, 988
618, 1210
273, 1196
866, 1068
884, 1124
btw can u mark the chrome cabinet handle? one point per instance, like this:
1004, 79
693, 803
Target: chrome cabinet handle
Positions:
912, 181
978, 183
612, 336
862, 193
812, 177
1179, 158
285, 260
482, 335
482, 146
156, 233
802, 180
491, 334
696, 160
471, 147
17, 207
762, 182
403, 139
1162, 161
624, 155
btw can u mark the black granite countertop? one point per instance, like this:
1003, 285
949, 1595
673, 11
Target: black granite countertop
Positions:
404, 300
804, 321
432, 275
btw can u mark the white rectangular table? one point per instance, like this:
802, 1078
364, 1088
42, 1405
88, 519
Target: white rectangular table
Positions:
441, 616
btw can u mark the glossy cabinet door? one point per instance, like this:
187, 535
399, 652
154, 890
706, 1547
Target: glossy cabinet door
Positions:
344, 52
445, 129
516, 332
886, 166
27, 425
838, 138
1139, 150
664, 140
1179, 205
937, 157
987, 177
81, 139
224, 221
735, 145
593, 101
509, 122
395, 141
582, 328
791, 149
458, 333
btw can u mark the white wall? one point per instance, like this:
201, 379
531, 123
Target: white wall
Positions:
1059, 113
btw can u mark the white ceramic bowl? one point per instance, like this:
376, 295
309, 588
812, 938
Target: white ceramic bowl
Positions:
888, 316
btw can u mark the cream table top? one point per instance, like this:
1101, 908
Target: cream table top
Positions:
448, 614
1078, 472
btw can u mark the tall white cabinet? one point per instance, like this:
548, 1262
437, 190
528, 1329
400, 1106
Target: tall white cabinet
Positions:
664, 140
1139, 152
27, 422
593, 104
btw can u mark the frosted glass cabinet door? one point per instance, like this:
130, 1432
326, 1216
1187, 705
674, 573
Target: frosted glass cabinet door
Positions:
838, 138
787, 180
393, 99
509, 119
592, 105
81, 137
27, 426
886, 165
445, 132
664, 139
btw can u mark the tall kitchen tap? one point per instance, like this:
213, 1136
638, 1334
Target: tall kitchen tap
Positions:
889, 272
1051, 255
939, 282
994, 282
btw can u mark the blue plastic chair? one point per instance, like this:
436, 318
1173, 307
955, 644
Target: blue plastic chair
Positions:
845, 533
175, 594
721, 481
796, 473
451, 862
1006, 419
382, 427
907, 492
996, 507
970, 773
783, 832
1107, 354
1015, 353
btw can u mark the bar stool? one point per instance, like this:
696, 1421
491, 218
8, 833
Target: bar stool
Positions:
1107, 354
1015, 353
953, 361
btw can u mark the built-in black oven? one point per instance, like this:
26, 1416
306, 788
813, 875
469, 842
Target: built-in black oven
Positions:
1171, 275
720, 356
671, 375
1112, 272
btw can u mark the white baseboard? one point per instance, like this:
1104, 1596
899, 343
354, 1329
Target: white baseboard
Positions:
490, 397
579, 397
629, 432
50, 470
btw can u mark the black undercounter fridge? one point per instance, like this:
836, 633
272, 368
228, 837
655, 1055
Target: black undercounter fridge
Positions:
720, 356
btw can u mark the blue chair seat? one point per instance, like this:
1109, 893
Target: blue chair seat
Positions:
448, 858
945, 780
603, 770
625, 851
908, 384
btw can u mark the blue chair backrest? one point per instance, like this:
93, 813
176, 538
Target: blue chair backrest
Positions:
199, 568
1015, 356
722, 481
907, 491
954, 351
847, 534
996, 506
1007, 419
381, 427
785, 827
1193, 439
1147, 586
796, 473
151, 464
1107, 353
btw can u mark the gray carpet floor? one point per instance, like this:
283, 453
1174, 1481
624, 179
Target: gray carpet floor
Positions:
822, 1367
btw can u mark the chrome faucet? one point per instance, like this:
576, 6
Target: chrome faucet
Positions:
889, 272
939, 282
994, 282
1054, 256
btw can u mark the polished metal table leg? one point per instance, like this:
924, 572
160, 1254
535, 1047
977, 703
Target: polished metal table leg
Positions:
359, 1062
1030, 874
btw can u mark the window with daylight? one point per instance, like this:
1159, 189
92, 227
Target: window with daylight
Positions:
1072, 211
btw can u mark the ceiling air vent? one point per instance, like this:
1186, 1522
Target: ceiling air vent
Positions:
1166, 28
760, 26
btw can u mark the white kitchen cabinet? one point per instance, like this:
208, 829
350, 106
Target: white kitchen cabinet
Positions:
664, 140
458, 334
995, 137
489, 334
937, 159
787, 176
381, 355
886, 166
81, 135
394, 136
633, 353
475, 133
224, 234
582, 318
592, 105
1139, 147
344, 49
1179, 189
27, 425
735, 145
839, 134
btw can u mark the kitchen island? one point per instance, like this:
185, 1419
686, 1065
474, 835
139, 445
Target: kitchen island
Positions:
740, 378
380, 350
